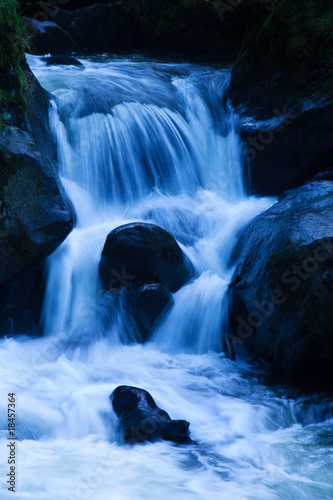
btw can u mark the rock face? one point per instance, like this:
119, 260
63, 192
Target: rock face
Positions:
281, 295
142, 420
116, 30
277, 67
141, 254
49, 38
288, 129
190, 26
290, 148
282, 86
21, 302
35, 215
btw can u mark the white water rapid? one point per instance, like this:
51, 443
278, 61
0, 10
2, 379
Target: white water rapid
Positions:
144, 140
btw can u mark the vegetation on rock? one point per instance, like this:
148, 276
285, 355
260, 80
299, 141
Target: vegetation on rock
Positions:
34, 214
286, 54
13, 42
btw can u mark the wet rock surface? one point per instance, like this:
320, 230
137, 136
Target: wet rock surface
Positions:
281, 295
141, 253
49, 38
142, 420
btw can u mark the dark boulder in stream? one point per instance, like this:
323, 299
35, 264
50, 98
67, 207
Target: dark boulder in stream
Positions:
141, 253
49, 38
63, 60
142, 306
147, 263
281, 295
146, 306
142, 420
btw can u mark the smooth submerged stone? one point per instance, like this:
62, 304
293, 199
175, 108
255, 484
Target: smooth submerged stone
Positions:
141, 253
142, 420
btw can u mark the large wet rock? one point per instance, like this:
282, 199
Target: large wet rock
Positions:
35, 214
49, 38
21, 302
116, 29
281, 295
142, 420
141, 253
288, 149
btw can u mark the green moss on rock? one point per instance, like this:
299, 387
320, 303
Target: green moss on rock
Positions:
13, 40
286, 56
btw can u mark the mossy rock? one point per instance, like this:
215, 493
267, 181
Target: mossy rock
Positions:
34, 212
13, 42
286, 56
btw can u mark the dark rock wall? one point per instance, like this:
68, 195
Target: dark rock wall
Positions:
35, 214
281, 295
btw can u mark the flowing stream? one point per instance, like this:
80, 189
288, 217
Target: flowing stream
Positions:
154, 141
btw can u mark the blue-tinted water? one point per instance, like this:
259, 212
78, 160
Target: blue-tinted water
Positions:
142, 140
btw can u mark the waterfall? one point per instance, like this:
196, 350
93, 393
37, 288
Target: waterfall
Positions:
153, 141
150, 142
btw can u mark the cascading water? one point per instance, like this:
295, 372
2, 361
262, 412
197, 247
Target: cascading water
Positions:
152, 142
141, 140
